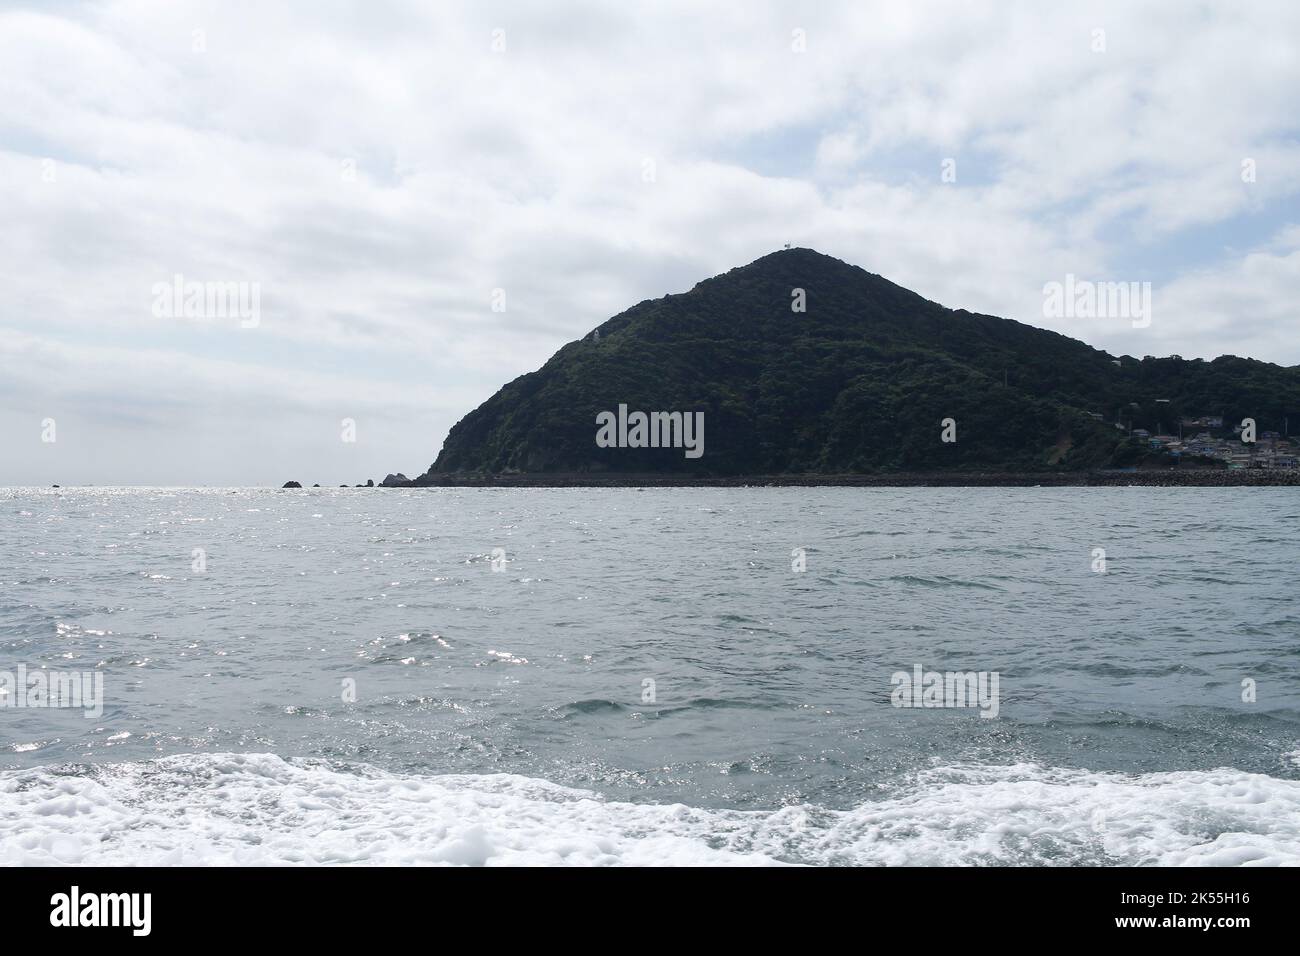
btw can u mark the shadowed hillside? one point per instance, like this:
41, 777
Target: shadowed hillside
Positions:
859, 382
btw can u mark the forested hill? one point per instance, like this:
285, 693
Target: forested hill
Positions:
860, 381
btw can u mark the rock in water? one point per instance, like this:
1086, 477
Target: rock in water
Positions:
291, 484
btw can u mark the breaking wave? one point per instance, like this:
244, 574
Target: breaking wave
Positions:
259, 809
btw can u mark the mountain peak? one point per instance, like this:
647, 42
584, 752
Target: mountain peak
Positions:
800, 255
804, 266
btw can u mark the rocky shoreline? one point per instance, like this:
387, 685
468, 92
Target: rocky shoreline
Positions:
1164, 478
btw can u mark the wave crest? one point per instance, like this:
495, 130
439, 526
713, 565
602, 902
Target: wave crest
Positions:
258, 809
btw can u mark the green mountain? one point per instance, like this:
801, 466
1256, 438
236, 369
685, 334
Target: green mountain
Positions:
860, 381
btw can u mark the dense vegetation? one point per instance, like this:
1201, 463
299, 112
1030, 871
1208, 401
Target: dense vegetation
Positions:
859, 382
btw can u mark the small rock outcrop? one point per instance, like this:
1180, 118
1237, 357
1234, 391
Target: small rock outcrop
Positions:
398, 480
291, 484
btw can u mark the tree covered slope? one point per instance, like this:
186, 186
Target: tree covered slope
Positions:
859, 382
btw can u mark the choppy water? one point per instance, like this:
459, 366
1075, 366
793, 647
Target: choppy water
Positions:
499, 714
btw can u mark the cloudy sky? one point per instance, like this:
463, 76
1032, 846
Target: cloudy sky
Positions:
377, 171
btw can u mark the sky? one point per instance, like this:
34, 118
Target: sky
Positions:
426, 200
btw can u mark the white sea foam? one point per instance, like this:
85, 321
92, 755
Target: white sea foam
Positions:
254, 809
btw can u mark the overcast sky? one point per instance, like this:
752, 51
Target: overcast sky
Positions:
378, 170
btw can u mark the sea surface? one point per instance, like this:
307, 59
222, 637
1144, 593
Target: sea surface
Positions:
606, 676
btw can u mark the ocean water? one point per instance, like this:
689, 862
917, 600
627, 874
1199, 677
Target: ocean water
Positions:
635, 676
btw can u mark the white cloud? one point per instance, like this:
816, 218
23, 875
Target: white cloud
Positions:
523, 171
1239, 304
